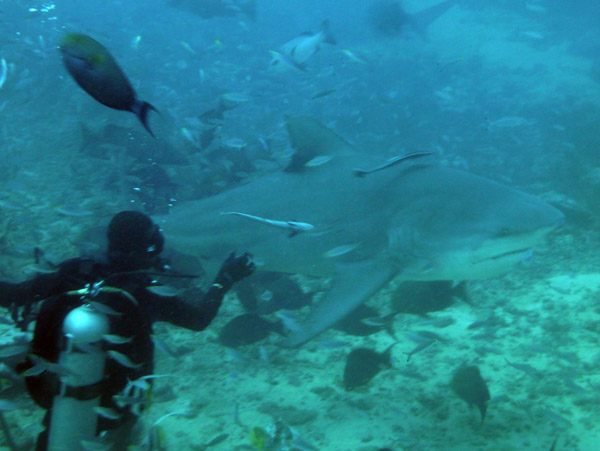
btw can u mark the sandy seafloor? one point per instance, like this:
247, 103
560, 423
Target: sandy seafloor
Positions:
546, 314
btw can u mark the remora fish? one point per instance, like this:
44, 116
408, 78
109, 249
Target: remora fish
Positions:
295, 227
300, 49
482, 227
97, 73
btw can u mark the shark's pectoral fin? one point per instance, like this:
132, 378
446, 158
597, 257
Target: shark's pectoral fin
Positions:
352, 285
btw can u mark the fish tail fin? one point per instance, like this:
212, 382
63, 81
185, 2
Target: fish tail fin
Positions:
141, 109
327, 35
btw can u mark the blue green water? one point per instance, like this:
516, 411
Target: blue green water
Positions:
509, 90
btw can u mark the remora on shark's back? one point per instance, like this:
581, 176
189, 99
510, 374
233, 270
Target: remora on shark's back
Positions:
417, 221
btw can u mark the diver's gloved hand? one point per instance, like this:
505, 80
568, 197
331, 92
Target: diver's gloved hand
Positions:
234, 269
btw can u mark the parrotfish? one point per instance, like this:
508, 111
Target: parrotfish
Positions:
97, 73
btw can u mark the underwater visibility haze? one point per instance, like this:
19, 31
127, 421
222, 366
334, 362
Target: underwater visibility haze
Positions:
418, 182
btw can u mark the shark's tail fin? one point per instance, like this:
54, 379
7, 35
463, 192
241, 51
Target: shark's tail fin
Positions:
327, 35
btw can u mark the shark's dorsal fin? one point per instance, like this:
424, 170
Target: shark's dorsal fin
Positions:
310, 138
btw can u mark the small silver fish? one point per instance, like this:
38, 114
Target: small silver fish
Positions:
419, 348
107, 412
123, 400
142, 383
51, 367
356, 59
13, 350
340, 250
116, 339
73, 211
122, 359
104, 308
235, 143
318, 161
164, 290
508, 122
3, 72
35, 370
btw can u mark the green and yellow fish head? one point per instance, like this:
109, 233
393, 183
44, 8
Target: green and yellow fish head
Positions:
83, 47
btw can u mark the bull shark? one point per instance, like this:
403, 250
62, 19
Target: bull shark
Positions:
372, 221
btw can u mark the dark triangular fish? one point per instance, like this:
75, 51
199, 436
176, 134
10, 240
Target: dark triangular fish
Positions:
268, 292
468, 384
420, 298
364, 364
97, 73
357, 322
247, 329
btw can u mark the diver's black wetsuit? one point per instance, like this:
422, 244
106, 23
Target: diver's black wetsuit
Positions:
131, 320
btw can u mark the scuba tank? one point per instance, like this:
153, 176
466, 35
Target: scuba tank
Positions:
73, 417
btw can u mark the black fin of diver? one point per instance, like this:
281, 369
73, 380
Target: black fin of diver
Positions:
426, 17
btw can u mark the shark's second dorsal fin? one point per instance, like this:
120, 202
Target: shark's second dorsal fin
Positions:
311, 139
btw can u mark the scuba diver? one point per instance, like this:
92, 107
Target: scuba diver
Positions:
92, 356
